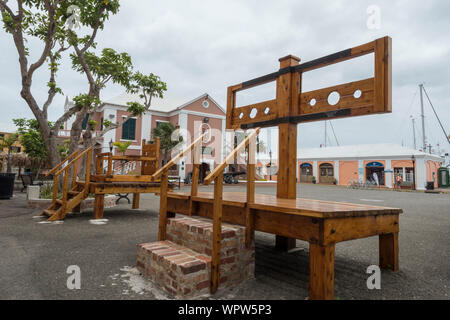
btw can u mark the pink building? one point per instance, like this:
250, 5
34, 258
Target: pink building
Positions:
189, 117
382, 162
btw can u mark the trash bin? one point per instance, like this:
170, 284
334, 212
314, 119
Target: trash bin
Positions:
430, 185
7, 185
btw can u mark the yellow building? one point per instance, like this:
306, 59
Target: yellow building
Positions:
17, 147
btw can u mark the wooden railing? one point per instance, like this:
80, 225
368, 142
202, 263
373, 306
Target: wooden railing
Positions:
217, 176
163, 174
109, 175
70, 157
73, 164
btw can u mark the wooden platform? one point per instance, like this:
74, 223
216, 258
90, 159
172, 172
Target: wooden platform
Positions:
321, 223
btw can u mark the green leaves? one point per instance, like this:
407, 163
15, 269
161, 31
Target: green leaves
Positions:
122, 146
84, 100
135, 108
110, 65
148, 86
164, 131
31, 138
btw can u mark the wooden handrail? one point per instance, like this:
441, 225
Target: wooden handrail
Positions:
169, 164
62, 162
74, 160
224, 163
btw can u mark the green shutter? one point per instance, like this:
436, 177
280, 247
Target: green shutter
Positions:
129, 130
84, 123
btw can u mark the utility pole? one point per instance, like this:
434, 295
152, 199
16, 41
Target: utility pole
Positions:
414, 132
423, 119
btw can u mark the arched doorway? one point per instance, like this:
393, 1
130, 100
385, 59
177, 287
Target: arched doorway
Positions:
306, 172
326, 173
375, 171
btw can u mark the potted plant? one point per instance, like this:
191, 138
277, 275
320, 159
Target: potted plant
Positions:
122, 147
314, 180
7, 179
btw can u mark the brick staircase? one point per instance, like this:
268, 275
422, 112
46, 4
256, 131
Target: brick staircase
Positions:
181, 265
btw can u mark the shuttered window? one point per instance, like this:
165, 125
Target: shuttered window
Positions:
85, 122
129, 130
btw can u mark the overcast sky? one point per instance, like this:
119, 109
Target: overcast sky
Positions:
204, 46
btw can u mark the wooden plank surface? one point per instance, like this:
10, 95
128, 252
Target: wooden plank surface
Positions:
299, 206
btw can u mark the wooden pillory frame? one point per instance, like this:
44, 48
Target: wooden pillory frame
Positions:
321, 223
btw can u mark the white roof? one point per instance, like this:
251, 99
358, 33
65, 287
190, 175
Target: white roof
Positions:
161, 105
364, 151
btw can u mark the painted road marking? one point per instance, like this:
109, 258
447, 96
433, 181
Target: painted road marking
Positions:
372, 200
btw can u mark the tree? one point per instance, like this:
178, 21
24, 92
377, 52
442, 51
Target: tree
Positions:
31, 137
164, 131
7, 143
49, 21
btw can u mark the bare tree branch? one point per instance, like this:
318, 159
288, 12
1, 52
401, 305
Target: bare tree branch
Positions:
49, 39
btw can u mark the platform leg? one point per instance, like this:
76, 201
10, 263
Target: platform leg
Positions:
136, 198
163, 208
99, 205
321, 272
284, 243
77, 209
388, 247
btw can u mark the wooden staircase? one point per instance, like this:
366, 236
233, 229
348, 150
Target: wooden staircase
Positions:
72, 195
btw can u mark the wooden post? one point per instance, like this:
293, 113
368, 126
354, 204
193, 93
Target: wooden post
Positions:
136, 197
388, 250
163, 206
65, 192
195, 173
74, 174
99, 206
249, 230
288, 90
55, 189
217, 233
88, 175
321, 272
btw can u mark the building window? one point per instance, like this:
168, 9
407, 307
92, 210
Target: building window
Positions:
306, 169
207, 150
409, 174
129, 130
158, 122
326, 170
101, 124
16, 149
85, 122
398, 172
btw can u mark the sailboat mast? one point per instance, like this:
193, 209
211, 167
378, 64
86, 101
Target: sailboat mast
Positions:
423, 119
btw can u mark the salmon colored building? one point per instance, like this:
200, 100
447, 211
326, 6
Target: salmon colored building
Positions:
202, 111
382, 162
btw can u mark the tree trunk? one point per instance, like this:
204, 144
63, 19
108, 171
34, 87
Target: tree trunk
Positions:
8, 162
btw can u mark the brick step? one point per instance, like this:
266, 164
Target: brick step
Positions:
196, 234
181, 265
178, 270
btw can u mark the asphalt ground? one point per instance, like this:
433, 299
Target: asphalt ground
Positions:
34, 256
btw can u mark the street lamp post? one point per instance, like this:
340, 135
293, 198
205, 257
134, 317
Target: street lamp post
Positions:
270, 165
413, 158
111, 146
